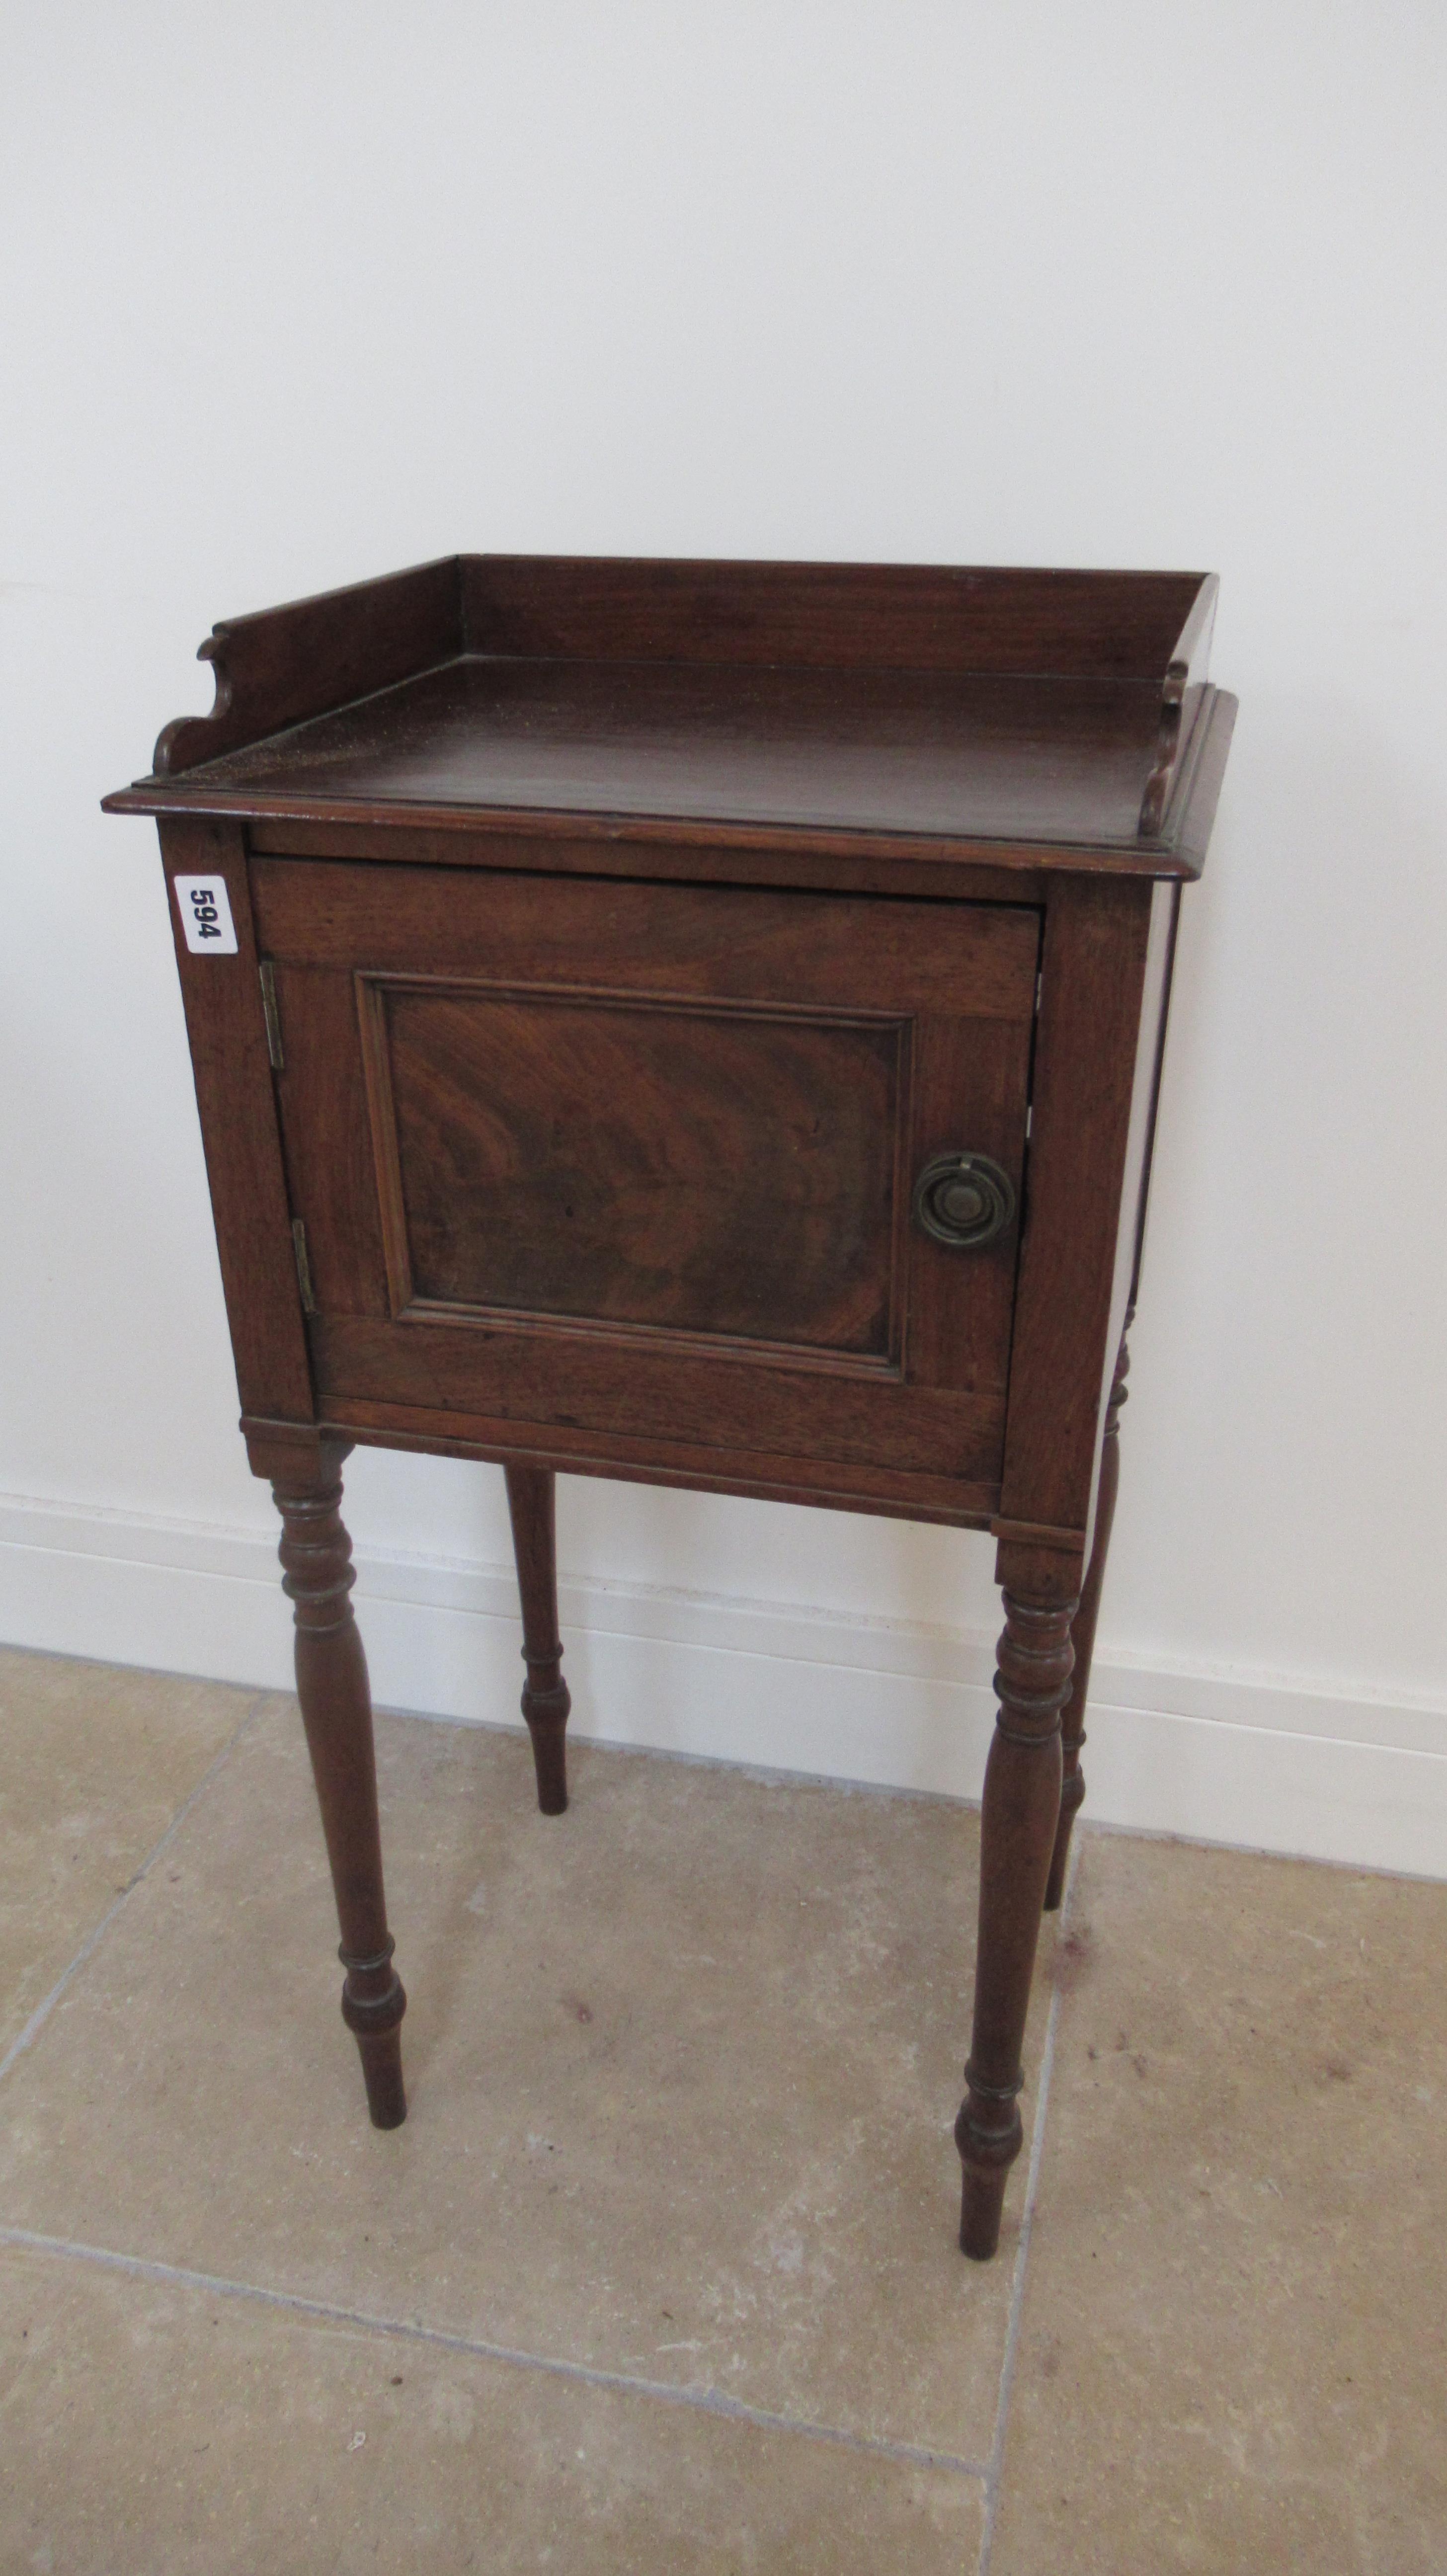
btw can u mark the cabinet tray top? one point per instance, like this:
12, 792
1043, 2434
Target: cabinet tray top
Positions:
1007, 710
702, 1024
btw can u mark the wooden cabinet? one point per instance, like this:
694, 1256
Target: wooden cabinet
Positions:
612, 1159
696, 1023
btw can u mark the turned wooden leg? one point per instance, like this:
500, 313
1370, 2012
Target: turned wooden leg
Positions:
1082, 1634
336, 1708
1017, 1829
545, 1702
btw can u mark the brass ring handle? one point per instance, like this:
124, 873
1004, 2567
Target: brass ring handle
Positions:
963, 1200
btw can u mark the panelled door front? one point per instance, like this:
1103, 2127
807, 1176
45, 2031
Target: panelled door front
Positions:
589, 1166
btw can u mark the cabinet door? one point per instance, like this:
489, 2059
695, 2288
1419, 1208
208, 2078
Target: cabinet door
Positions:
622, 1174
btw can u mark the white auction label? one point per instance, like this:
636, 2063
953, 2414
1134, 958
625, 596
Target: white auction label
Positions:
205, 912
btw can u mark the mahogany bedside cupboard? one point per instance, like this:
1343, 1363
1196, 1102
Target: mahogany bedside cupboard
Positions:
701, 1023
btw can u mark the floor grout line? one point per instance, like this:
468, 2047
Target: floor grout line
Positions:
995, 2464
46, 2006
706, 2401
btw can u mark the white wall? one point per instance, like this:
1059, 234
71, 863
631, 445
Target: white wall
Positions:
299, 294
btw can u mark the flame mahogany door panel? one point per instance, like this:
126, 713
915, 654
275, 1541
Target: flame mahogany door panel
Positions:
582, 1162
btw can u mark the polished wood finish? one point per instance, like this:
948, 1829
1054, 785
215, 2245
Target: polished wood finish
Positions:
1082, 1633
226, 1024
870, 863
616, 945
766, 1475
636, 1164
283, 665
822, 616
1017, 1829
1086, 1076
900, 751
545, 1702
336, 1708
661, 939
578, 1151
980, 706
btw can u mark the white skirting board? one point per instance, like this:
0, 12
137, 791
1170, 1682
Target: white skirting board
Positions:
1255, 1761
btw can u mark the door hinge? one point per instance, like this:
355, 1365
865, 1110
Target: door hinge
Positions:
303, 1267
273, 1016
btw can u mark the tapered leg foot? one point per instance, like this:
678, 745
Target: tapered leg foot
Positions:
1017, 1831
381, 2055
336, 1708
545, 1702
1082, 1634
546, 1712
987, 2154
374, 2019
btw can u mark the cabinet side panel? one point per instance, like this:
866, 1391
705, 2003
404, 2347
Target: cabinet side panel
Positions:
1140, 1141
1092, 972
226, 1025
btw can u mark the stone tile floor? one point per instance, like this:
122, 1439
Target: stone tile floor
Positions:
660, 2272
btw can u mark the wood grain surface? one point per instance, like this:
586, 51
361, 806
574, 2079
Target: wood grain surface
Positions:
701, 1169
1039, 711
600, 1153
